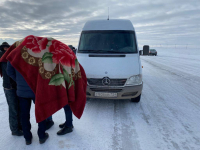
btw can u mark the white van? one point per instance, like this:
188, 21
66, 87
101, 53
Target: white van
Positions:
109, 54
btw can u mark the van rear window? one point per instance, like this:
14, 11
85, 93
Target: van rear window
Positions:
107, 42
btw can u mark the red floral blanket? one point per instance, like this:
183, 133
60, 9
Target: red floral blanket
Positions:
52, 71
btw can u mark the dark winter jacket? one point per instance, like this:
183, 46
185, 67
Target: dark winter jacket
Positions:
8, 83
23, 89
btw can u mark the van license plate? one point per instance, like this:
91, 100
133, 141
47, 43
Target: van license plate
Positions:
101, 94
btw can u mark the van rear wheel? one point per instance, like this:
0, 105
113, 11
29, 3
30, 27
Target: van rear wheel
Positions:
136, 100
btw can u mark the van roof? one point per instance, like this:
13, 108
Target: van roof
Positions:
112, 24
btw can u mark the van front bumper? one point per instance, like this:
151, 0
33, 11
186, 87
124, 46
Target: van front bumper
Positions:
126, 92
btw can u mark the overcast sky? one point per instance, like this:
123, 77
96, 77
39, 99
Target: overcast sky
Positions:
166, 22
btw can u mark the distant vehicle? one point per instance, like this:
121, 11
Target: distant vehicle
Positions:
153, 52
146, 50
108, 52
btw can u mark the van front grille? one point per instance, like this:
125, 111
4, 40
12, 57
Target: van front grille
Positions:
113, 82
105, 90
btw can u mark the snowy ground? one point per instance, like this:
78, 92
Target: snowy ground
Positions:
168, 116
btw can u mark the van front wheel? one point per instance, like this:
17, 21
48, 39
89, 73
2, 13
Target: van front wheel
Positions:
136, 100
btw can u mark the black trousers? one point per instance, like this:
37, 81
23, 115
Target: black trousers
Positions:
13, 107
25, 106
68, 116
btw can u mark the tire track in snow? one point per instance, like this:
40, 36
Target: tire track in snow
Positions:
125, 135
174, 112
193, 91
172, 71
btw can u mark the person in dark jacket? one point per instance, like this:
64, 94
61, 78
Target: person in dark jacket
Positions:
11, 97
26, 96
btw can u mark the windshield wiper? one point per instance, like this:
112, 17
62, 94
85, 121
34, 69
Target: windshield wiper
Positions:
114, 52
101, 51
93, 51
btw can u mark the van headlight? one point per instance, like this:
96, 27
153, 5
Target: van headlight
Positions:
134, 80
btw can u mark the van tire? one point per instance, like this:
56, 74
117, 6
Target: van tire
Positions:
136, 100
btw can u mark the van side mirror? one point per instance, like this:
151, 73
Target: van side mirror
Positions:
140, 52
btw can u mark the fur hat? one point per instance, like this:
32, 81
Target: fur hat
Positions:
5, 44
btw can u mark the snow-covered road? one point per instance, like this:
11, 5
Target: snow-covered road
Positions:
167, 118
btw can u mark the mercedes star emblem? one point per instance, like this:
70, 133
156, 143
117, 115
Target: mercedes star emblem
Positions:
106, 81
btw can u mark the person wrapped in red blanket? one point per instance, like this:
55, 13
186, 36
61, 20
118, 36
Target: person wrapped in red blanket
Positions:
52, 71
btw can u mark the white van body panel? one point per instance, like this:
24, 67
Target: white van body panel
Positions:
112, 67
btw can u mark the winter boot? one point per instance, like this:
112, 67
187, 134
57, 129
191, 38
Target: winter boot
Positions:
18, 133
28, 142
63, 124
65, 130
44, 139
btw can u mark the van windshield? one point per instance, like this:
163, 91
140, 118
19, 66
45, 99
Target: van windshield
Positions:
114, 41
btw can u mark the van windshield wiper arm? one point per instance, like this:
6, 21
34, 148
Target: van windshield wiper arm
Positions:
93, 51
103, 51
114, 52
107, 51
